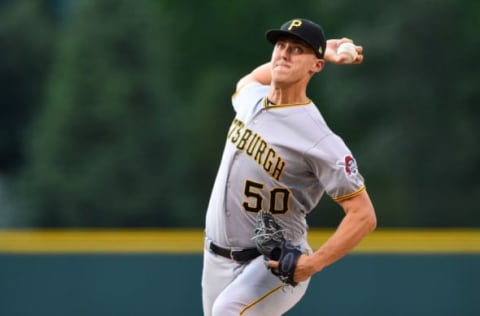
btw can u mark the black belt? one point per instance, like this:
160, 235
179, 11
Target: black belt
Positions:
237, 255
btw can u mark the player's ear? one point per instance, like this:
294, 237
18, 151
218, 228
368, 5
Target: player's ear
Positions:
318, 65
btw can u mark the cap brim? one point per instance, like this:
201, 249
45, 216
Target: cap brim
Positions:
273, 35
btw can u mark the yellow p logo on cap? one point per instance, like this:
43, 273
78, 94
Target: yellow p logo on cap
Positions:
295, 23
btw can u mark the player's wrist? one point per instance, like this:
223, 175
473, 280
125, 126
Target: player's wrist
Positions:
318, 261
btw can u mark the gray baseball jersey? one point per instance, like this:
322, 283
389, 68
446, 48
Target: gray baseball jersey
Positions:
279, 158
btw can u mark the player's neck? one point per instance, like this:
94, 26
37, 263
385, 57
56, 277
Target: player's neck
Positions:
279, 96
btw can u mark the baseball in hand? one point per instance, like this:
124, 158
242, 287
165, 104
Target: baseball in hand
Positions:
349, 50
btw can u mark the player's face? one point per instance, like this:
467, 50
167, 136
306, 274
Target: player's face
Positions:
293, 61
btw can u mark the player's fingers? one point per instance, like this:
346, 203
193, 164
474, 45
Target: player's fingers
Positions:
358, 59
273, 265
334, 43
345, 40
343, 59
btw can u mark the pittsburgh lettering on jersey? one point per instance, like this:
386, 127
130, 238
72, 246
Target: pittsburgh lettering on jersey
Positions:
254, 146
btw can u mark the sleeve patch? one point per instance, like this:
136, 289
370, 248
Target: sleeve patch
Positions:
349, 165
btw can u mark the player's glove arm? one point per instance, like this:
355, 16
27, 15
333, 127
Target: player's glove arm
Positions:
270, 241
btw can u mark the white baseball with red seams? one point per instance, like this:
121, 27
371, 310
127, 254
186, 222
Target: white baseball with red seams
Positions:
348, 49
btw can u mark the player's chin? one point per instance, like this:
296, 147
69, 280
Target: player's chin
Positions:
280, 72
281, 80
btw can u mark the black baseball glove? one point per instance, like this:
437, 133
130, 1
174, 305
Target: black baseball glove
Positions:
270, 241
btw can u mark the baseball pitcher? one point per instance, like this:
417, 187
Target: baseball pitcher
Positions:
280, 157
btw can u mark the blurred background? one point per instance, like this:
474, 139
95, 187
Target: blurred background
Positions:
113, 113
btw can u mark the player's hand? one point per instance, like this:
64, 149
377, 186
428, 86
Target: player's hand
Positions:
331, 52
303, 271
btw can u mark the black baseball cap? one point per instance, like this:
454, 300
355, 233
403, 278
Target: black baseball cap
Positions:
303, 29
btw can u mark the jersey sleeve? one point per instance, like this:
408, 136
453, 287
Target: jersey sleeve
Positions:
336, 168
248, 96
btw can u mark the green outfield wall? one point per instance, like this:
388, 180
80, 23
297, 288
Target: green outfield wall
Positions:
128, 273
